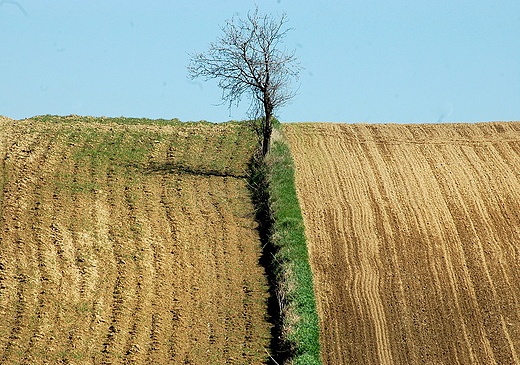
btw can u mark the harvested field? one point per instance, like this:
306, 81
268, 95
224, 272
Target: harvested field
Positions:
130, 244
414, 238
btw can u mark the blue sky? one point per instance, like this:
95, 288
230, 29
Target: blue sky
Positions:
371, 61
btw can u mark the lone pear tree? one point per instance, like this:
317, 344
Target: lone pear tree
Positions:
247, 60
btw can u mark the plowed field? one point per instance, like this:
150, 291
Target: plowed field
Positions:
131, 244
414, 238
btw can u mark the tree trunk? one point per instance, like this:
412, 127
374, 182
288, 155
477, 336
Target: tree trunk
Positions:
267, 130
267, 140
268, 112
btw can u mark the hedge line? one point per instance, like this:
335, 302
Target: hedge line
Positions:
299, 326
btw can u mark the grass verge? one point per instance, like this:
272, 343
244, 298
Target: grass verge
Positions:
296, 332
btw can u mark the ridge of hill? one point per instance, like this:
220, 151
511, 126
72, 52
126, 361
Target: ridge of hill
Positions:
414, 240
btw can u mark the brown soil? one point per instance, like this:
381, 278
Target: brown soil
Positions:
414, 238
103, 261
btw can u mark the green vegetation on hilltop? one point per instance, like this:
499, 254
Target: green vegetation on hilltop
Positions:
202, 148
103, 120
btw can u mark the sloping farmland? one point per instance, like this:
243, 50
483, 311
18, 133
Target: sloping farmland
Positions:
414, 238
127, 242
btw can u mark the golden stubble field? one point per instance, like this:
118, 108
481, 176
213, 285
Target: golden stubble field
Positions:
414, 238
131, 244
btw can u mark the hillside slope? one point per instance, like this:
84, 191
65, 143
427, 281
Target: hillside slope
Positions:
414, 239
128, 242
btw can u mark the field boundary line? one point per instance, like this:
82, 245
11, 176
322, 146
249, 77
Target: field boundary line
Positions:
279, 215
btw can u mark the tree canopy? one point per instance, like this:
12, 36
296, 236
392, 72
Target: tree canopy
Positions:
247, 60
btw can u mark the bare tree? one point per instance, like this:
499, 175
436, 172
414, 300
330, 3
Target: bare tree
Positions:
246, 60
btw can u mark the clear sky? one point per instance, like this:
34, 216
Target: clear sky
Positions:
374, 61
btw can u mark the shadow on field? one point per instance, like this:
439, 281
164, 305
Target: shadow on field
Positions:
180, 168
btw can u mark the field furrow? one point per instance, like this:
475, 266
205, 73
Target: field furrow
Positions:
414, 240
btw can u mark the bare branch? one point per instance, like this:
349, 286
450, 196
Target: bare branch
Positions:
246, 61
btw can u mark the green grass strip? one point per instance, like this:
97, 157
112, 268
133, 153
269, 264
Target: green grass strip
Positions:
300, 318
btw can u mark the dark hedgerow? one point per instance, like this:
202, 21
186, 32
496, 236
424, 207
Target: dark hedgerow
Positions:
296, 325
